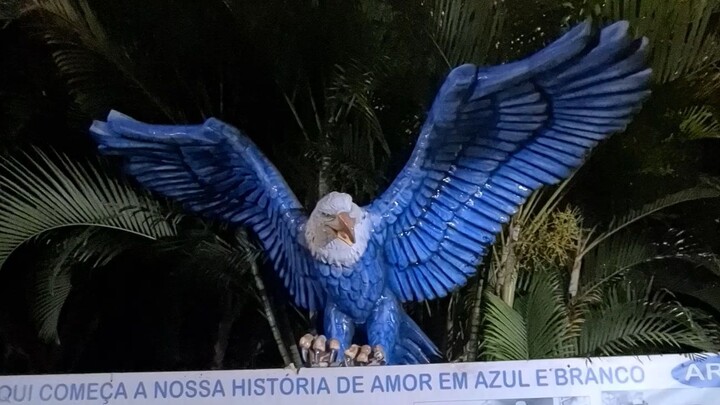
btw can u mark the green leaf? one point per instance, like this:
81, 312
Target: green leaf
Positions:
680, 33
691, 194
43, 193
699, 122
505, 334
97, 70
549, 333
538, 326
629, 321
50, 291
467, 31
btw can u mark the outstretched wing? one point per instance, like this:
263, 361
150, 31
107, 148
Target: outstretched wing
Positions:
215, 171
492, 137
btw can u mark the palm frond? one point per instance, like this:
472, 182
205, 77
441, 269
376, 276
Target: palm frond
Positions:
691, 194
549, 334
44, 193
699, 122
88, 59
536, 327
50, 291
467, 31
680, 33
504, 333
609, 264
630, 321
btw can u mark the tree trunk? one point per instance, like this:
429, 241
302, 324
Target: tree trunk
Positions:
285, 326
323, 181
229, 315
450, 324
471, 348
270, 315
575, 269
507, 279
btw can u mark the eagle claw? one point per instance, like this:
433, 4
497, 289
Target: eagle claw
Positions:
318, 351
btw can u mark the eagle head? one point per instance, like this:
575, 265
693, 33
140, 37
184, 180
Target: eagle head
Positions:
338, 230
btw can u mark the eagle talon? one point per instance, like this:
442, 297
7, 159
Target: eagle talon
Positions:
377, 357
364, 356
318, 351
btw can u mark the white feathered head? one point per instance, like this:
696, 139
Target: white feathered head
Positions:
337, 231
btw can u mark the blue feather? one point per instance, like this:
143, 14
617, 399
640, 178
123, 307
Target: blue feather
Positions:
504, 132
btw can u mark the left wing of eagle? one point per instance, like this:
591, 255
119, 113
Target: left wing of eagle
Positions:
214, 170
492, 137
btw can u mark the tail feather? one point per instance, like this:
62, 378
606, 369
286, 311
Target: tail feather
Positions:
413, 346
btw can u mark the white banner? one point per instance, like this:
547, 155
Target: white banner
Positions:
654, 380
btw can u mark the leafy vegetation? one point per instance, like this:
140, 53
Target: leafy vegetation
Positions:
334, 92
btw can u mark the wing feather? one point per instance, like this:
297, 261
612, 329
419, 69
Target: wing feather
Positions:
492, 137
215, 171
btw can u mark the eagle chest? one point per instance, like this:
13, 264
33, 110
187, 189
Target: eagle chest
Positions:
355, 289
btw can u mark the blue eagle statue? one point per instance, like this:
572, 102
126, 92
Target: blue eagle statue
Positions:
492, 136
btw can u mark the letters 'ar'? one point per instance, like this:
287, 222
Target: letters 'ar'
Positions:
492, 136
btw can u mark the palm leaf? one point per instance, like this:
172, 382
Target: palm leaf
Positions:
691, 194
549, 333
537, 327
699, 122
467, 31
680, 33
609, 264
634, 322
50, 291
44, 194
504, 334
96, 69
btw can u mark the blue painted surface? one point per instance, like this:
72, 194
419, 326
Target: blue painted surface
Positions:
492, 137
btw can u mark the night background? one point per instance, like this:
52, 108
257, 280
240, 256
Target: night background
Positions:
333, 92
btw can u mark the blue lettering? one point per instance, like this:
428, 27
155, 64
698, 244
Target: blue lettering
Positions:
357, 384
606, 375
77, 392
480, 380
284, 386
622, 379
637, 374
459, 381
540, 377
575, 376
61, 392
398, 383
204, 388
286, 389
121, 391
42, 389
302, 384
191, 389
238, 387
15, 393
92, 391
218, 390
588, 376
194, 388
140, 390
701, 372
176, 389
445, 381
343, 385
106, 394
561, 376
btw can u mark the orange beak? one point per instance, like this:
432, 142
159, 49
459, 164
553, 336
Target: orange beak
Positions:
344, 227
